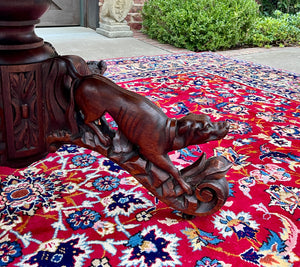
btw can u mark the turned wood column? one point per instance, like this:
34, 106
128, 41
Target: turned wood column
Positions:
22, 55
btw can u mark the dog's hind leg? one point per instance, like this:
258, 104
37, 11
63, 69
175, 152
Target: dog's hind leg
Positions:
105, 140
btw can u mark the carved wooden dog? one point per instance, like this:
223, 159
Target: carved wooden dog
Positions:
143, 123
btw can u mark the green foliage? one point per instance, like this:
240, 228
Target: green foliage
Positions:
267, 7
280, 30
199, 24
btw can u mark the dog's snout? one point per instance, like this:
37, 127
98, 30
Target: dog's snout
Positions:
223, 125
226, 125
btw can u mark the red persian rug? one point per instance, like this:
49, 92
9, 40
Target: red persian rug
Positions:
77, 208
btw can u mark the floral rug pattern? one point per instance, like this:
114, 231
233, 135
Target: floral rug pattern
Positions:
77, 208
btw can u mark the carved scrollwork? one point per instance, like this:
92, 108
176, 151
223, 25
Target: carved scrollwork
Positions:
24, 107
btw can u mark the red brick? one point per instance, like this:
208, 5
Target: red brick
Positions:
137, 17
136, 9
135, 26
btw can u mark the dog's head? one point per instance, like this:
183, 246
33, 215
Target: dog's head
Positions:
199, 129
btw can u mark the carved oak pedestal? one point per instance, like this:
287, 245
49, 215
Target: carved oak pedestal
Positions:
47, 100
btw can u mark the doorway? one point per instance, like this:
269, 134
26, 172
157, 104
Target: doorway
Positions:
72, 13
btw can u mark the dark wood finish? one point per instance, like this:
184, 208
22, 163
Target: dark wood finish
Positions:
47, 100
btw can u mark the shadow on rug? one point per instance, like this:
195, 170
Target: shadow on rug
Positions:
77, 208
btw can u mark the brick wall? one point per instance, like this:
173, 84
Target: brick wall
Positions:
134, 18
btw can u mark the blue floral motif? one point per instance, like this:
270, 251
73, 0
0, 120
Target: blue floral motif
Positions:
83, 219
291, 131
234, 109
280, 142
239, 127
239, 160
207, 262
287, 197
203, 101
251, 91
113, 167
197, 82
200, 239
245, 141
231, 191
296, 114
186, 153
180, 109
273, 251
123, 202
271, 117
83, 160
255, 98
281, 109
227, 95
106, 183
251, 256
25, 194
64, 255
135, 240
241, 224
288, 158
151, 248
8, 252
68, 148
221, 105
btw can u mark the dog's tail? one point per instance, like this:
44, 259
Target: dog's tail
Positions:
76, 77
70, 68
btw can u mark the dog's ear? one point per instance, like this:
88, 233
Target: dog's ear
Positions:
185, 124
